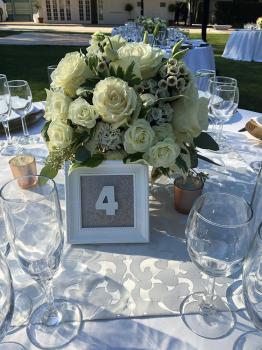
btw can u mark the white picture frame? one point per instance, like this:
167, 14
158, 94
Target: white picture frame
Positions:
81, 207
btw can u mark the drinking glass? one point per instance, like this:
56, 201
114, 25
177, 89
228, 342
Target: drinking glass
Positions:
218, 237
50, 70
202, 77
252, 292
21, 102
222, 104
34, 229
6, 297
9, 149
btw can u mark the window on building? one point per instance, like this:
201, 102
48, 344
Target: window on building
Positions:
48, 10
81, 10
55, 13
100, 10
68, 10
62, 10
88, 14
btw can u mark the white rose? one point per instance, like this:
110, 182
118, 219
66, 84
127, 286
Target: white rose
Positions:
57, 104
138, 137
149, 58
190, 114
148, 99
82, 113
60, 134
70, 73
163, 154
114, 100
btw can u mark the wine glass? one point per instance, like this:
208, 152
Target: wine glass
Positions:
50, 70
9, 149
21, 102
218, 236
252, 292
222, 104
34, 229
202, 77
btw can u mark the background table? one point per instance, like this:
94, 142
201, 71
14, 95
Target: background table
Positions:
167, 332
244, 45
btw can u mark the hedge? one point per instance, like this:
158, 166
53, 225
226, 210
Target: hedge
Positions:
238, 13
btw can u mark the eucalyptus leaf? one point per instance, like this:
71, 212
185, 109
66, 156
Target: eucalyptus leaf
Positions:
180, 54
169, 98
133, 157
205, 141
177, 46
48, 172
200, 156
82, 154
44, 131
93, 162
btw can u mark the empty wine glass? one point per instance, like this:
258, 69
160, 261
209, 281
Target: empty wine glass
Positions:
21, 102
202, 78
34, 228
252, 292
9, 149
218, 237
222, 104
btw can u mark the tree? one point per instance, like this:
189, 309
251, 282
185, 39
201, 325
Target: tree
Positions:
129, 8
194, 8
142, 8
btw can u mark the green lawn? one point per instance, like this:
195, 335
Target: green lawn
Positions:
30, 62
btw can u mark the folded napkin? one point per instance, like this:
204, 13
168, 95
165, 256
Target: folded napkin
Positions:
254, 129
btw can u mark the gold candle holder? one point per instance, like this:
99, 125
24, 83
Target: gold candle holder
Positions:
22, 166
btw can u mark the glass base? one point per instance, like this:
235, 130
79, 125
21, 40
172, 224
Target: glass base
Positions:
48, 330
11, 150
213, 322
11, 346
248, 341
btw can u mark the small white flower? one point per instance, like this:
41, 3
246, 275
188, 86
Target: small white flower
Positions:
82, 113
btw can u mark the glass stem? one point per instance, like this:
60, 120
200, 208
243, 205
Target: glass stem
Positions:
7, 132
219, 133
24, 126
206, 306
52, 317
47, 287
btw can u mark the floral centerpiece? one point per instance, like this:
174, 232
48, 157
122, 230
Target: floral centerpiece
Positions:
124, 101
259, 23
152, 25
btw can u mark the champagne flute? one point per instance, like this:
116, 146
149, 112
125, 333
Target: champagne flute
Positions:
50, 70
21, 102
34, 229
218, 237
9, 149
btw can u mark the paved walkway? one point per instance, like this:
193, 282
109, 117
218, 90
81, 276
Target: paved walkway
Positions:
30, 38
79, 28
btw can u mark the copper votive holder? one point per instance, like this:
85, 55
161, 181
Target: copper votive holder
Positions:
22, 166
186, 191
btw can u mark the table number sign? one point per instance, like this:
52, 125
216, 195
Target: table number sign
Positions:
107, 204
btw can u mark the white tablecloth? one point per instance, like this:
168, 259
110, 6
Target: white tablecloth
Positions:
157, 332
200, 58
244, 45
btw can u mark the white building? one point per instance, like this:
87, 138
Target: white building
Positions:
90, 11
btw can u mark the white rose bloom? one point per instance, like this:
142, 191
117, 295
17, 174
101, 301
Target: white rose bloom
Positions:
57, 104
60, 134
190, 114
163, 154
138, 137
71, 72
82, 113
149, 57
114, 100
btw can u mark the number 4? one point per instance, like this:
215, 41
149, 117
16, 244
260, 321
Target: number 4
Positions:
110, 205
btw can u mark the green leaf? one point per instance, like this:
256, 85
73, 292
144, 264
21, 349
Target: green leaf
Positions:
82, 154
180, 54
205, 141
169, 99
44, 131
177, 46
93, 162
48, 172
133, 157
181, 163
145, 39
120, 72
129, 71
145, 110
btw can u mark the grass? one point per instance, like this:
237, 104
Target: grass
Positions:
4, 33
30, 63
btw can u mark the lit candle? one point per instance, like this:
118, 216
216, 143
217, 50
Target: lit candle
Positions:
23, 167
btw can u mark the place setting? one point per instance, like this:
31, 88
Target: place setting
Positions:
130, 198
